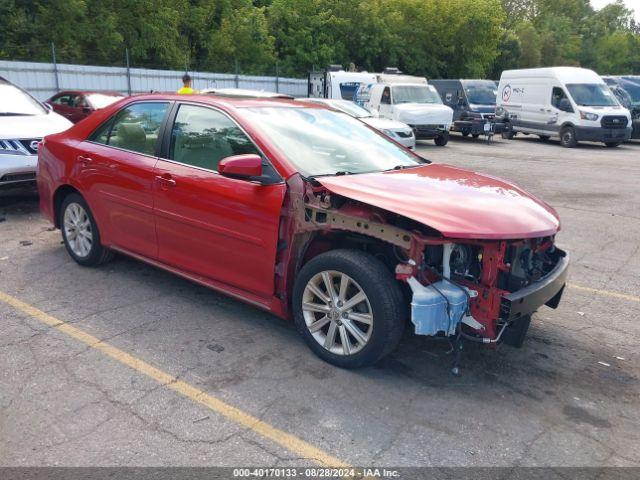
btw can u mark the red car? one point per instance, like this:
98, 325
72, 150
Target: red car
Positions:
76, 105
307, 213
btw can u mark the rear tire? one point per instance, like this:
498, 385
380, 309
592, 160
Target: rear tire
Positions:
568, 137
441, 140
612, 144
465, 133
80, 232
475, 135
343, 333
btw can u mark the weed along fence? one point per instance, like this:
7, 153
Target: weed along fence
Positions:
44, 79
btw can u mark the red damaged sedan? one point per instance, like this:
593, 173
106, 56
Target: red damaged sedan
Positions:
307, 213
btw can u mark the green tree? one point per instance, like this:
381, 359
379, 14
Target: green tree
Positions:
242, 39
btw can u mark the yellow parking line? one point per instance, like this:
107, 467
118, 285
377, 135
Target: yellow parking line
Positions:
287, 440
607, 293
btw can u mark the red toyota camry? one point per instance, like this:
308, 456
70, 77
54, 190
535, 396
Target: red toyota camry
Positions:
308, 213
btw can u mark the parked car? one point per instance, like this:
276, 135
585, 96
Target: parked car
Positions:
409, 100
473, 103
307, 213
23, 123
76, 105
243, 93
397, 131
627, 91
567, 102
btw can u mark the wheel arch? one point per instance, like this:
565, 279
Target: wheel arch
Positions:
58, 197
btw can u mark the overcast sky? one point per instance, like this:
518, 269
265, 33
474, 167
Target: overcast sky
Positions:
633, 4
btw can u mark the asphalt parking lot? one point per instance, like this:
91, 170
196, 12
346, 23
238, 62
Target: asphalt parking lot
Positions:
569, 397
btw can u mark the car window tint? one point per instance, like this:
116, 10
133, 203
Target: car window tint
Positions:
202, 137
134, 128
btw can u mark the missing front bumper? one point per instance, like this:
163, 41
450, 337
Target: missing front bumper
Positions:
546, 291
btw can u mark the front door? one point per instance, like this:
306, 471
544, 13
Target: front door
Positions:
213, 226
117, 171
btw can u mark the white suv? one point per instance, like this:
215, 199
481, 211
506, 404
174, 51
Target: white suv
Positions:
23, 123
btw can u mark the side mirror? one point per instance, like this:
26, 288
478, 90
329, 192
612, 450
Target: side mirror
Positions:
461, 101
49, 106
86, 110
241, 166
565, 105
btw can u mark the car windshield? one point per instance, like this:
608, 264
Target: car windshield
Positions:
481, 93
592, 94
99, 100
633, 90
324, 142
415, 94
350, 108
14, 101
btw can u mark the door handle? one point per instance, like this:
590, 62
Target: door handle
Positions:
166, 181
84, 160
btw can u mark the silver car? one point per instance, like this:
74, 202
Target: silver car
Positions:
398, 131
24, 121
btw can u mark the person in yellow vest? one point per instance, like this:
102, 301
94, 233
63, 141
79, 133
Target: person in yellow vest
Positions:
186, 87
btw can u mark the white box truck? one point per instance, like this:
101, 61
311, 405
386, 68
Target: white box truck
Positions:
571, 103
410, 100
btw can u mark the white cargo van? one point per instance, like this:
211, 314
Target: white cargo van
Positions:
409, 100
571, 103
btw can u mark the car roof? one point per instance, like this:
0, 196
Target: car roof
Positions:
232, 101
243, 92
89, 92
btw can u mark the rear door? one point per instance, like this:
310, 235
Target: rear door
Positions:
116, 167
220, 228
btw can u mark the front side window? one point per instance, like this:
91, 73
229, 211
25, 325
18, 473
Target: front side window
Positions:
324, 142
592, 94
415, 94
201, 137
386, 96
557, 95
134, 128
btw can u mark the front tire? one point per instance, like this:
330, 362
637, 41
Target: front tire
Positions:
348, 307
568, 137
441, 140
80, 232
612, 144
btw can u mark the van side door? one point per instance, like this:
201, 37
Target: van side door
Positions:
560, 109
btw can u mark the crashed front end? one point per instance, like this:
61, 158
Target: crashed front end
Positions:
482, 289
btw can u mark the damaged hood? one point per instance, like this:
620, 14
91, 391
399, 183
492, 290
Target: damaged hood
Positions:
456, 202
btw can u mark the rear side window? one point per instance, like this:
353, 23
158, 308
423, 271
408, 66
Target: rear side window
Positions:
134, 128
201, 137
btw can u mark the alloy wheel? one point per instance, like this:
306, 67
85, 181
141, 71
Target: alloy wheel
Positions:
77, 230
337, 312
